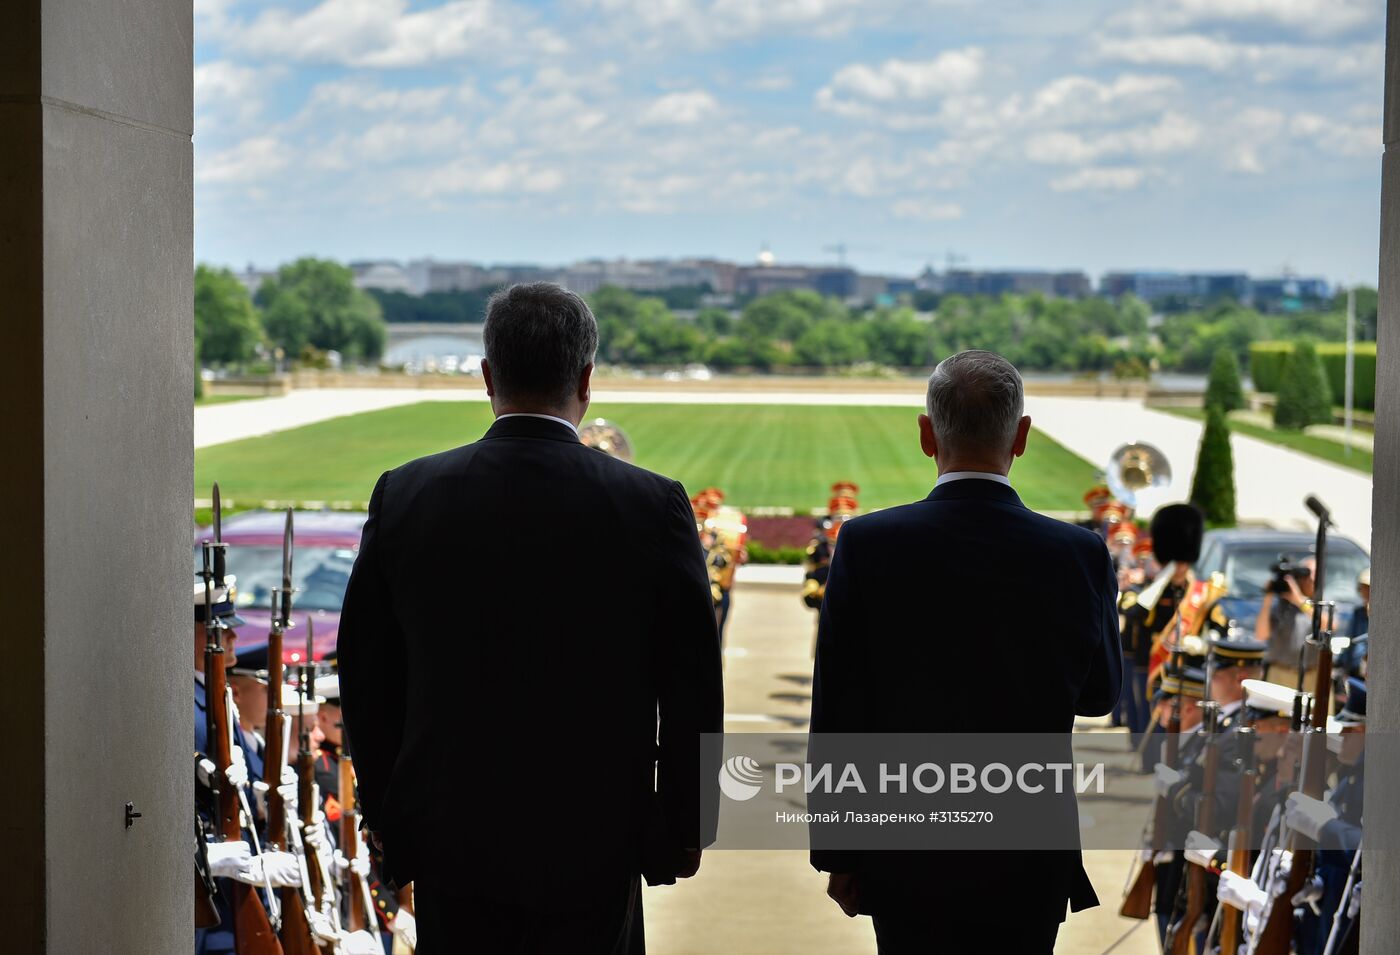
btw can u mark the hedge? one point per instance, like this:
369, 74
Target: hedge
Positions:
1334, 362
1266, 368
1266, 364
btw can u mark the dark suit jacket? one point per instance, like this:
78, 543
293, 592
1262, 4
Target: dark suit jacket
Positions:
527, 658
963, 613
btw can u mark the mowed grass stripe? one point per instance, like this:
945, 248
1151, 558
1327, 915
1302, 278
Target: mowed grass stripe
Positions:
759, 455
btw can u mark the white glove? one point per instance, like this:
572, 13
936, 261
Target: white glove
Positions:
1239, 892
1200, 849
289, 777
237, 772
1164, 778
406, 928
260, 791
278, 869
361, 943
321, 926
228, 859
358, 865
288, 792
1307, 815
1163, 857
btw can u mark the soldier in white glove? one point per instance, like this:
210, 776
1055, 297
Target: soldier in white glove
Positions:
1240, 892
358, 865
277, 869
1307, 815
236, 775
1201, 849
405, 928
1164, 778
361, 943
228, 859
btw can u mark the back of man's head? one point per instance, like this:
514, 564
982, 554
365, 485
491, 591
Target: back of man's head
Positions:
975, 403
539, 339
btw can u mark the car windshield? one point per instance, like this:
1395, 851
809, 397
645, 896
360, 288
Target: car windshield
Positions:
1247, 571
320, 574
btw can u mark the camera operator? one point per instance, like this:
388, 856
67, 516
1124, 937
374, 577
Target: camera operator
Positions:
1285, 621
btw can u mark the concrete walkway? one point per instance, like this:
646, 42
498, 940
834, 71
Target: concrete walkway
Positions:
1271, 481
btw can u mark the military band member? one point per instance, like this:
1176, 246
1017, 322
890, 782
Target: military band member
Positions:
1180, 691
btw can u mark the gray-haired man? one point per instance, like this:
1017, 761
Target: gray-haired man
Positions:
893, 636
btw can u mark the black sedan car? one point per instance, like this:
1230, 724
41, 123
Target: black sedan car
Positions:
1247, 557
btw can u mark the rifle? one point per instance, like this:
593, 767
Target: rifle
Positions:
252, 931
296, 930
1238, 861
360, 909
1181, 936
1277, 934
317, 880
1137, 903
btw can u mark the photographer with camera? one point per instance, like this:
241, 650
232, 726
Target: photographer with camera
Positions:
1285, 620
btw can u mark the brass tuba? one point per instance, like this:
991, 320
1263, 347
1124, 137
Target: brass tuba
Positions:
1136, 467
607, 437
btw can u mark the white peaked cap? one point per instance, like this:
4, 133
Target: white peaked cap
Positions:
1269, 697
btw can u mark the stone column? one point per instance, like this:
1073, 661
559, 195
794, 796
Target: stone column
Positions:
96, 224
1380, 919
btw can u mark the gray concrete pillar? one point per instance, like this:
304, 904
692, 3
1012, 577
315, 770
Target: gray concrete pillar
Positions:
96, 219
1380, 919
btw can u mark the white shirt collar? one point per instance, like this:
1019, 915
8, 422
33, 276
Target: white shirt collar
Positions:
971, 475
548, 417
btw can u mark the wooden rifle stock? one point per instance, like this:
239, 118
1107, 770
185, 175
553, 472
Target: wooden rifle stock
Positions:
252, 931
296, 930
1278, 931
1238, 862
1183, 933
1137, 904
349, 845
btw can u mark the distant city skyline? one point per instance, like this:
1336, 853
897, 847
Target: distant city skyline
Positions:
1186, 135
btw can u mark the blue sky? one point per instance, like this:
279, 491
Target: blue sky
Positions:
1188, 134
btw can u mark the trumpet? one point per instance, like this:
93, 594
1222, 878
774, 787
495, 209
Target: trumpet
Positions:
1135, 467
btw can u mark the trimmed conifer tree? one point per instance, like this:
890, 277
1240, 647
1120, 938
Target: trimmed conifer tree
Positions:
1224, 390
1304, 396
1213, 487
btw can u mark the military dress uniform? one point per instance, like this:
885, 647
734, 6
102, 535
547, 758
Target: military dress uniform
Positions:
218, 938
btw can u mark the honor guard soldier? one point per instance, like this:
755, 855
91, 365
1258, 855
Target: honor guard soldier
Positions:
1178, 695
227, 860
328, 778
1335, 825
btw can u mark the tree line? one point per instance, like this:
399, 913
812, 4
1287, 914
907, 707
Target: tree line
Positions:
310, 307
807, 330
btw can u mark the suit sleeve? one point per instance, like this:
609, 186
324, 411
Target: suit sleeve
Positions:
371, 661
835, 682
690, 688
1104, 681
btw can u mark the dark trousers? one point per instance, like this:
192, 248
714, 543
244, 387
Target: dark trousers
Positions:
453, 917
932, 933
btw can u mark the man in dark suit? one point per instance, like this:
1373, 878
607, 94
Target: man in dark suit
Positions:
528, 742
894, 634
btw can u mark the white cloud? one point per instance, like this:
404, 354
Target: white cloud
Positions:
251, 160
950, 71
226, 86
680, 109
927, 210
1266, 62
1173, 133
709, 22
1101, 179
387, 34
360, 94
503, 178
1311, 16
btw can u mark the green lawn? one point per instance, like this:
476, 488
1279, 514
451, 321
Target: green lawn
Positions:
1359, 459
759, 455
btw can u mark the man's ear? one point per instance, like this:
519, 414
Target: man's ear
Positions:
585, 385
1023, 432
927, 440
486, 376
